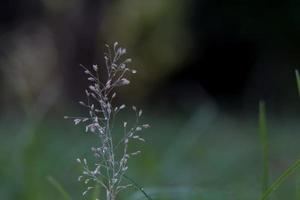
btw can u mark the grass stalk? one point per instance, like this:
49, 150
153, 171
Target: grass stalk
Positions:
137, 186
298, 81
274, 186
59, 188
263, 132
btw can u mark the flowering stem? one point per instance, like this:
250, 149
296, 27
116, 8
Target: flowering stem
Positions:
137, 186
109, 168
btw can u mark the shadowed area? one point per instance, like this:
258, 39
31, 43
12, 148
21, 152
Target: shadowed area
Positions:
202, 68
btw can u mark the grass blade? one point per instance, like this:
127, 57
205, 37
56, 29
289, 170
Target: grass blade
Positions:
59, 188
96, 192
297, 186
265, 146
137, 186
280, 179
298, 80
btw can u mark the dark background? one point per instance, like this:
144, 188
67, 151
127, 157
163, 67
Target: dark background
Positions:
233, 51
203, 66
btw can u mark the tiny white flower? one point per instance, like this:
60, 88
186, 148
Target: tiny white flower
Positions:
115, 45
95, 67
140, 113
124, 81
128, 60
84, 193
122, 106
146, 125
92, 88
87, 93
77, 121
114, 180
136, 153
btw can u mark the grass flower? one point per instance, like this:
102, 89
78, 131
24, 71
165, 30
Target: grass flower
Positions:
109, 169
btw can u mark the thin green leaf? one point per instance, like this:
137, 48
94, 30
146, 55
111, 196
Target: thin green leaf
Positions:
96, 192
297, 185
59, 188
263, 132
298, 80
137, 186
274, 186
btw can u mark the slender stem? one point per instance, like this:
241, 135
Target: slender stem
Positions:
263, 132
110, 195
137, 186
298, 81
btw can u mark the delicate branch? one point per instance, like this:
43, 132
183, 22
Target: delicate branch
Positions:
109, 169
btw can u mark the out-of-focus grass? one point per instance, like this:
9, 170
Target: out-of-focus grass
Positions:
60, 188
289, 171
262, 121
266, 189
209, 156
298, 80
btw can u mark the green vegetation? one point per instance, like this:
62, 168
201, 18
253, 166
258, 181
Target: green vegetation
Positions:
219, 159
267, 191
280, 179
59, 188
209, 156
265, 146
298, 80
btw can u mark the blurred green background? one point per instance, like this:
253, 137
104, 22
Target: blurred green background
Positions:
202, 65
